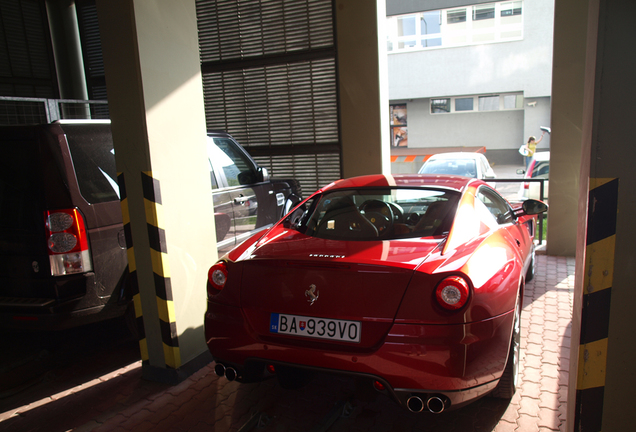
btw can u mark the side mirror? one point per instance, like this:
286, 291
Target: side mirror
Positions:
534, 207
294, 218
291, 202
263, 175
521, 171
247, 177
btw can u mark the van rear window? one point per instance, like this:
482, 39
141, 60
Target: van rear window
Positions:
94, 162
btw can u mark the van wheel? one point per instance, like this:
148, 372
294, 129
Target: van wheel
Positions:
134, 325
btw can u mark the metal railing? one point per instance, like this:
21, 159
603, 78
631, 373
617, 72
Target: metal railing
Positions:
24, 111
541, 195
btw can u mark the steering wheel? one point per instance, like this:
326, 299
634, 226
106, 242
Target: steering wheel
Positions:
398, 212
379, 214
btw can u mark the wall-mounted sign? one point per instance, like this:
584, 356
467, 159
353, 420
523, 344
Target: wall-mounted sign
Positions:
399, 130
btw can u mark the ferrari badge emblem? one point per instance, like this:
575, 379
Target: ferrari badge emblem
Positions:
312, 294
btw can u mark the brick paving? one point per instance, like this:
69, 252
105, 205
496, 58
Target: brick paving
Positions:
122, 401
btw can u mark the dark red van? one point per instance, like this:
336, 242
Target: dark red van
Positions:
62, 249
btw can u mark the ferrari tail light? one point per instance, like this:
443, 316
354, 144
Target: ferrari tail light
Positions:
452, 292
67, 241
217, 275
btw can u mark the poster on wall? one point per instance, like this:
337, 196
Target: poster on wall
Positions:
399, 131
398, 115
399, 136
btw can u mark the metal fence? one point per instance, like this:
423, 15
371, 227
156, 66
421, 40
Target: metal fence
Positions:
24, 111
514, 195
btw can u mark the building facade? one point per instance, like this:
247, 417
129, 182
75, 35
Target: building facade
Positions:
469, 75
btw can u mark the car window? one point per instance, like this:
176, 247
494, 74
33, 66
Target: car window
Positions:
541, 169
484, 165
496, 205
386, 213
94, 162
462, 167
224, 153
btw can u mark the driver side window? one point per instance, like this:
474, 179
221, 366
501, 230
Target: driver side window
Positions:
233, 162
496, 205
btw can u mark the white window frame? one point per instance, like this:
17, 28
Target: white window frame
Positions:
466, 33
501, 107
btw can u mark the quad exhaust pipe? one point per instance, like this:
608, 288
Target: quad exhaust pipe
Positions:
228, 372
435, 403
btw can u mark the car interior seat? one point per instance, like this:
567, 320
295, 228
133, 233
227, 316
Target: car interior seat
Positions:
432, 221
343, 221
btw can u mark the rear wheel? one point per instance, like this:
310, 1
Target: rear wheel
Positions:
508, 383
532, 267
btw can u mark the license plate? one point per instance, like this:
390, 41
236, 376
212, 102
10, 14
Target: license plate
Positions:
321, 328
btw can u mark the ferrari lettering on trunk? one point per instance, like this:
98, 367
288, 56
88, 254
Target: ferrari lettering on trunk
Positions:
321, 328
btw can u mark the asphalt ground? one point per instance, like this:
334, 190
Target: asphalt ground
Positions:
89, 379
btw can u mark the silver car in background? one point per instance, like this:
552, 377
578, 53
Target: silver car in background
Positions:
473, 165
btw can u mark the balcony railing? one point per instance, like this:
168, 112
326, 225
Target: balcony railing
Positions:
23, 111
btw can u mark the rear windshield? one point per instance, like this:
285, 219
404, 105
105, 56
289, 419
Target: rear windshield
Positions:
94, 161
380, 214
466, 168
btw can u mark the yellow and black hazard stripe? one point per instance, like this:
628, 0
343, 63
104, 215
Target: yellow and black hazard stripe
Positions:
161, 269
599, 273
131, 281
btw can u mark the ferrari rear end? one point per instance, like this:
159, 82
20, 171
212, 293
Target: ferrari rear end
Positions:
325, 292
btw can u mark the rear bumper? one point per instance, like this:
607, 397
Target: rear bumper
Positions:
461, 362
79, 305
54, 320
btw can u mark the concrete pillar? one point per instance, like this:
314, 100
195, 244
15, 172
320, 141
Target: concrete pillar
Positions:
363, 87
602, 375
570, 30
155, 95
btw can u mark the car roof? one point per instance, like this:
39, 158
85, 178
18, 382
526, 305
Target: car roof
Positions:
218, 134
456, 155
456, 183
542, 155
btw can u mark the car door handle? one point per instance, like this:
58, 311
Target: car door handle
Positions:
240, 200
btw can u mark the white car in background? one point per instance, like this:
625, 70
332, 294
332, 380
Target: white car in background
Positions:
539, 168
473, 165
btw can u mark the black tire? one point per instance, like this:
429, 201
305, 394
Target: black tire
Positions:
134, 325
532, 268
508, 383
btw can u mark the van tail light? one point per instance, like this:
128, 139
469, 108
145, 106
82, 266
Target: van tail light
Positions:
67, 242
217, 276
452, 292
526, 185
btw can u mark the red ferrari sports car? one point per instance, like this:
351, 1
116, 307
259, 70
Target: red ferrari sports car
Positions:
414, 282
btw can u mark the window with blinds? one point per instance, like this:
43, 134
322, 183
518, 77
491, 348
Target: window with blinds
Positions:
269, 79
92, 55
26, 54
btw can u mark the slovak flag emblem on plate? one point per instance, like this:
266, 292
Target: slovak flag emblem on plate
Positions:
302, 325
